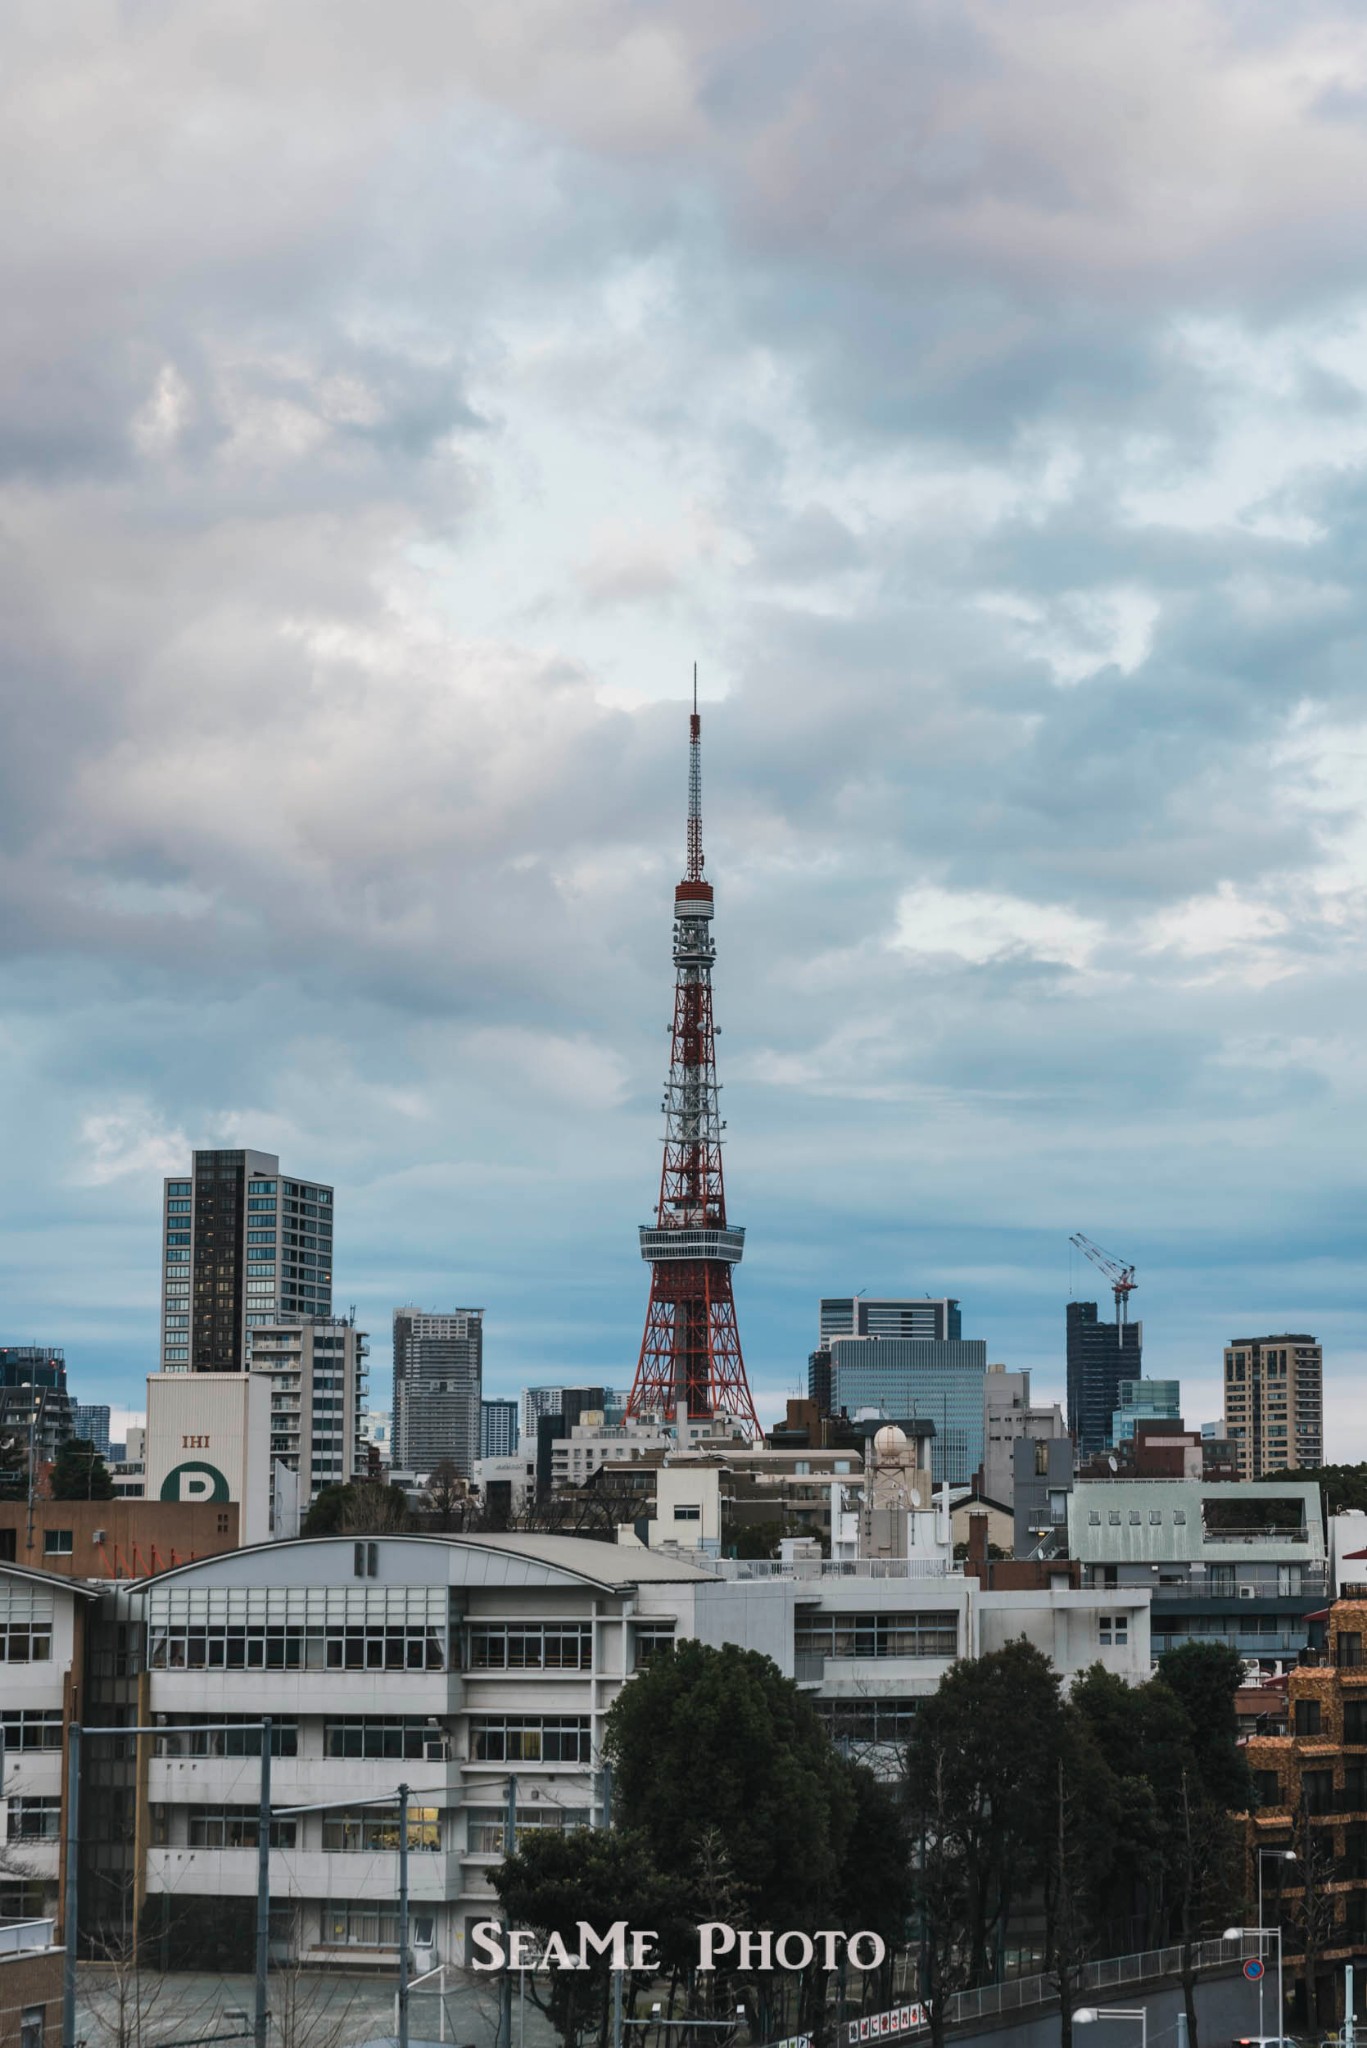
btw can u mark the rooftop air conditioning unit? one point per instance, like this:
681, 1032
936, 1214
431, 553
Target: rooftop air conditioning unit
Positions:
97, 1536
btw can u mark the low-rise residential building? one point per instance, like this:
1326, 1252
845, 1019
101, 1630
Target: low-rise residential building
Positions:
1241, 1563
1309, 1828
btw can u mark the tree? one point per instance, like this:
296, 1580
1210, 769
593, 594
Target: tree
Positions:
360, 1508
554, 1880
446, 1503
1343, 1486
998, 1793
80, 1473
720, 1739
1205, 1678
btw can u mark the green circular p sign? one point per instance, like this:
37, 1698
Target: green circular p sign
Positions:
194, 1482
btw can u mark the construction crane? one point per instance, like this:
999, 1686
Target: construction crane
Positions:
1121, 1276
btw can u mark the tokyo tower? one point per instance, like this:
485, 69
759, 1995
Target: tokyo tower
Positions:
690, 1364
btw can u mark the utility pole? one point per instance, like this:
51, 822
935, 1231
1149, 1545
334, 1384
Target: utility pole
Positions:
505, 2009
263, 1884
69, 1914
403, 1916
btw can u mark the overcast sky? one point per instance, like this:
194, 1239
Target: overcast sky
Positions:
395, 401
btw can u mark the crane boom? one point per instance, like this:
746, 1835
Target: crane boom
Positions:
1120, 1275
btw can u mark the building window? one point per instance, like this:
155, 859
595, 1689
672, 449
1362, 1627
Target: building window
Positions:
1355, 1788
1349, 1647
372, 1829
57, 1542
688, 1511
486, 1825
31, 2027
530, 1646
231, 1741
21, 1643
360, 1923
368, 1736
1309, 1717
877, 1635
1115, 1630
1318, 1791
653, 1639
30, 1728
35, 1820
1155, 1518
1113, 1518
233, 1827
1268, 1787
367, 1561
868, 1720
1355, 1721
547, 1739
1094, 1518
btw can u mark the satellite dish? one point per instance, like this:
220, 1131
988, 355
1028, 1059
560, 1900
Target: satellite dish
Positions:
1111, 1461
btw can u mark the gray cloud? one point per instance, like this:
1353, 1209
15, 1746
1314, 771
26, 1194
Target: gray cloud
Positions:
392, 407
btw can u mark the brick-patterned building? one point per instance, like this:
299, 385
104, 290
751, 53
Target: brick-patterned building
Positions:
1312, 1800
30, 1985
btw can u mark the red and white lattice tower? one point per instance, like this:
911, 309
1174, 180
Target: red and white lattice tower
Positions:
690, 1364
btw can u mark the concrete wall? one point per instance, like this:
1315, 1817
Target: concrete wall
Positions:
135, 1536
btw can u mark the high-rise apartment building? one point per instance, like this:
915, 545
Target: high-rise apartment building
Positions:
536, 1402
317, 1370
1274, 1403
854, 1315
498, 1434
918, 1379
1100, 1355
34, 1398
1144, 1400
242, 1245
438, 1378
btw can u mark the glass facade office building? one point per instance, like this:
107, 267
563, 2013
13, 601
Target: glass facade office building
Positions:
918, 1379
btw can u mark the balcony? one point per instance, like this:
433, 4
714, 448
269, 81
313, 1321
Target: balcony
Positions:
305, 1873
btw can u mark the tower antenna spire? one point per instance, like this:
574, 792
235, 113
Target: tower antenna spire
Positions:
690, 1368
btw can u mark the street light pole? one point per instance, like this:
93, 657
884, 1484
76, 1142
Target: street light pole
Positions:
1279, 1856
1244, 1934
1085, 2014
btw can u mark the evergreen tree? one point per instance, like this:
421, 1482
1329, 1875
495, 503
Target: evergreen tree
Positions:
80, 1473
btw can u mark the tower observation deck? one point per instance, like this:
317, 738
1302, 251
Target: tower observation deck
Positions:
690, 1364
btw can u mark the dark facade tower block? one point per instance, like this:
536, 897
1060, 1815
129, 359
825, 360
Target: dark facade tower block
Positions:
1100, 1356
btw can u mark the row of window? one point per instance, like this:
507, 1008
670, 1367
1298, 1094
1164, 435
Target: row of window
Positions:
530, 1739
533, 1646
868, 1720
232, 1741
486, 1826
322, 1647
877, 1635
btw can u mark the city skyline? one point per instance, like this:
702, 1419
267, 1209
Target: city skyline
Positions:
359, 544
